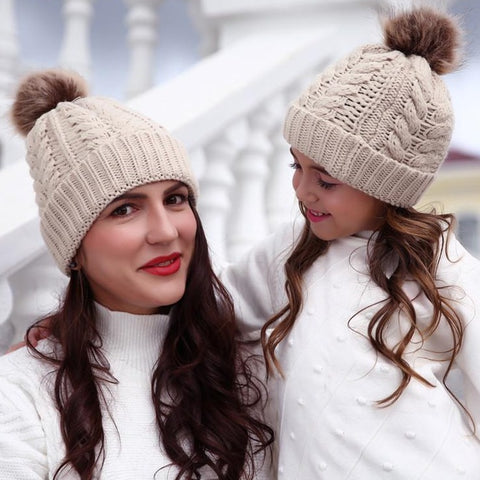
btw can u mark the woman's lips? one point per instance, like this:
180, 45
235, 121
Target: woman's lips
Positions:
163, 266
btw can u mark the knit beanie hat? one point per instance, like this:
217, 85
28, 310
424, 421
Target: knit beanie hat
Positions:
381, 119
83, 152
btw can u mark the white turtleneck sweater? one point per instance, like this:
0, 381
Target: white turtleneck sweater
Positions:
31, 445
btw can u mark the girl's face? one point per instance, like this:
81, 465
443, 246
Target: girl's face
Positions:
137, 252
334, 209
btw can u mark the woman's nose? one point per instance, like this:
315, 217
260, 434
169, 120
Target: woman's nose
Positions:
160, 226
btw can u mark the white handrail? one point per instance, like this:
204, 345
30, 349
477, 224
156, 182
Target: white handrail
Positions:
204, 100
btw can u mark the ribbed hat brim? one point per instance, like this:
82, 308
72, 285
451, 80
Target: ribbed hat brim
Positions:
349, 159
111, 170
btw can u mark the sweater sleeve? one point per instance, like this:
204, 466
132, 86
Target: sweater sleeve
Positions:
22, 439
256, 282
466, 295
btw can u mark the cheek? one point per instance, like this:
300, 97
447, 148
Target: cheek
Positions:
102, 244
295, 181
366, 209
188, 227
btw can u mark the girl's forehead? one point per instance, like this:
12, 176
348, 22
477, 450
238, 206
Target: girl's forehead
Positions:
307, 161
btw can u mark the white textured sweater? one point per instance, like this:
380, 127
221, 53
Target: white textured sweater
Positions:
327, 422
31, 445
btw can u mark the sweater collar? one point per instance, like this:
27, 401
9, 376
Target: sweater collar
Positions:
365, 234
134, 339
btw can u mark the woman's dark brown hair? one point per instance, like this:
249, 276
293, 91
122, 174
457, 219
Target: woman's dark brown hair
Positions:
409, 239
207, 399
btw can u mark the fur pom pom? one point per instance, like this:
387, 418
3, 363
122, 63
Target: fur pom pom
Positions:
40, 92
428, 33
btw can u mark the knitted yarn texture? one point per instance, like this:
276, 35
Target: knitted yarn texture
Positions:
83, 154
380, 121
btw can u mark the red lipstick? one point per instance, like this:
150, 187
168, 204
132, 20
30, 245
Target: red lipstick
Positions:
163, 266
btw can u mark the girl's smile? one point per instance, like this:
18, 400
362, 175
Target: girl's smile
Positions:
314, 216
334, 209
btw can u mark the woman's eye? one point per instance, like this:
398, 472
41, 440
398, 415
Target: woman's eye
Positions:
176, 199
123, 210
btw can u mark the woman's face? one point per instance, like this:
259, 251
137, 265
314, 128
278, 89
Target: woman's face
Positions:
137, 252
333, 209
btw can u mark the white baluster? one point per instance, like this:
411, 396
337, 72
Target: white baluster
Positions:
75, 51
206, 27
9, 50
38, 287
198, 162
248, 223
216, 184
281, 204
6, 304
142, 39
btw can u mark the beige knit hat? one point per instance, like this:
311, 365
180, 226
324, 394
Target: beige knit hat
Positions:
381, 119
85, 151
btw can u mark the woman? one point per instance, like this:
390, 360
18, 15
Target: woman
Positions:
142, 376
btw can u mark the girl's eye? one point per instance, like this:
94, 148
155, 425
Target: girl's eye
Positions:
176, 199
294, 165
326, 185
122, 210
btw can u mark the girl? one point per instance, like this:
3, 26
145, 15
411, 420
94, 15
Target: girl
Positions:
142, 376
376, 302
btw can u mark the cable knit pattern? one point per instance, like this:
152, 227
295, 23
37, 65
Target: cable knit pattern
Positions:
378, 120
83, 154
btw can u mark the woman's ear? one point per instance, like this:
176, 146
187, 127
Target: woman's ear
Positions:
74, 264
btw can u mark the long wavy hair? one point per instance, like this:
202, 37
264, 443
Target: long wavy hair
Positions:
414, 242
206, 397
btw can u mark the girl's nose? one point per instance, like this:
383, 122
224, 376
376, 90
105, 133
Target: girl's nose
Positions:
160, 226
304, 189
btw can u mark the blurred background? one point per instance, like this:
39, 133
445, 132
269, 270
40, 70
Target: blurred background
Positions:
219, 74
179, 41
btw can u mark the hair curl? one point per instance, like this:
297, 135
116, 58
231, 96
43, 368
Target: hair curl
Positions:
209, 419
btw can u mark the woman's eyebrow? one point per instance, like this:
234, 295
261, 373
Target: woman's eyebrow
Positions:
128, 196
136, 196
174, 187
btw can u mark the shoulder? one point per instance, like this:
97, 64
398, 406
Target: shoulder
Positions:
267, 257
279, 244
27, 416
456, 264
23, 370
